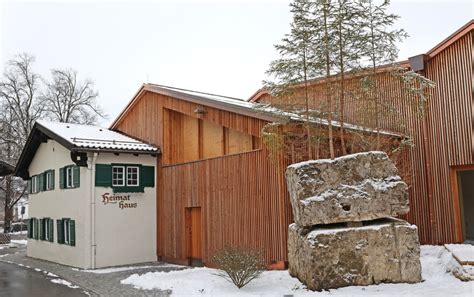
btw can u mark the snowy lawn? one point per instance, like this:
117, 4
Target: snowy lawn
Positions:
436, 262
19, 241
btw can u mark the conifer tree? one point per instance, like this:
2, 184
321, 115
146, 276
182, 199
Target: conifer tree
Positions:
296, 64
379, 46
345, 31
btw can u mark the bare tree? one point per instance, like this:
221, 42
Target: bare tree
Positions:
69, 100
19, 109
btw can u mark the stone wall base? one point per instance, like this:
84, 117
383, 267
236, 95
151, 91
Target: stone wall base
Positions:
333, 256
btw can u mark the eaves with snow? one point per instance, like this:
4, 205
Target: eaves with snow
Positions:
79, 139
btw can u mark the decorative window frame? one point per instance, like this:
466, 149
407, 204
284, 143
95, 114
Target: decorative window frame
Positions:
124, 175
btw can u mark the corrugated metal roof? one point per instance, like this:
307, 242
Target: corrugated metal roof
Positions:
95, 137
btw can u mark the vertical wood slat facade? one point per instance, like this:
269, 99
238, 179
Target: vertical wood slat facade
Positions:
240, 202
444, 140
242, 196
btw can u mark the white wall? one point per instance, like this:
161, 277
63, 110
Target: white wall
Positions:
58, 204
126, 235
122, 236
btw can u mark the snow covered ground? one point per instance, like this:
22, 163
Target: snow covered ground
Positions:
436, 261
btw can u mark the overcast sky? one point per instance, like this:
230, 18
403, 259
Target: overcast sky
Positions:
222, 47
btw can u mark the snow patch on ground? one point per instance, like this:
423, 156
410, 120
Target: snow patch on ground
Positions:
463, 252
119, 269
437, 264
20, 241
51, 274
64, 282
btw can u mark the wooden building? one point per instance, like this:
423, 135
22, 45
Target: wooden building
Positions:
442, 160
217, 187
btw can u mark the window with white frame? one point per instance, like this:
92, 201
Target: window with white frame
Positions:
46, 229
34, 184
69, 177
49, 180
35, 228
133, 176
118, 176
67, 231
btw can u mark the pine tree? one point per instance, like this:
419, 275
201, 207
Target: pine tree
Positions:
296, 64
380, 47
345, 31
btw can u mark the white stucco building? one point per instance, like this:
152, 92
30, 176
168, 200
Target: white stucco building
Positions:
92, 196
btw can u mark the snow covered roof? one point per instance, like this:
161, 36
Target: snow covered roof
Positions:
95, 137
78, 139
240, 106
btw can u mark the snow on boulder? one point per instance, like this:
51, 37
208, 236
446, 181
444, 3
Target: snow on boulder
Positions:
352, 188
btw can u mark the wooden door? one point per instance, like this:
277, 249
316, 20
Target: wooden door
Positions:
194, 235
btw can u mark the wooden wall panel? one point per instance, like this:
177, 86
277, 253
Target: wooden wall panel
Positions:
238, 142
443, 140
243, 200
212, 140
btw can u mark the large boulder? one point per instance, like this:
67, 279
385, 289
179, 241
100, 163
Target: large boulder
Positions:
357, 187
385, 251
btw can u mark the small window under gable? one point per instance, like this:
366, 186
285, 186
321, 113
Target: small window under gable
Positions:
118, 176
69, 177
133, 176
125, 178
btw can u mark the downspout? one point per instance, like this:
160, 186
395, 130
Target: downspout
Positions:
92, 212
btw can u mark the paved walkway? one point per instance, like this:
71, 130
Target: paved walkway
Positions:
97, 284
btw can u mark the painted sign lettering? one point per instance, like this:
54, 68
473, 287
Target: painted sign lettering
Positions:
123, 201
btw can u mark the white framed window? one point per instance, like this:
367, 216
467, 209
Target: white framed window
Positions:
118, 176
34, 184
69, 177
49, 180
34, 225
67, 231
133, 176
46, 229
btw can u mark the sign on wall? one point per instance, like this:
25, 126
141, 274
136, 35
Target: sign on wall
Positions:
123, 201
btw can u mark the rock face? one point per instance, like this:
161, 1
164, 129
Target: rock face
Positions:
384, 251
356, 187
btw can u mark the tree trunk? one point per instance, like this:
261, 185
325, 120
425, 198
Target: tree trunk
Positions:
328, 73
343, 91
7, 210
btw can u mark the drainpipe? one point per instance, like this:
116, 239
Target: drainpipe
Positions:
92, 210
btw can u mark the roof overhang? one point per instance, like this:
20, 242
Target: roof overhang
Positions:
250, 112
6, 169
40, 134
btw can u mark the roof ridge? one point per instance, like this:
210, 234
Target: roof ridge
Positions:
199, 92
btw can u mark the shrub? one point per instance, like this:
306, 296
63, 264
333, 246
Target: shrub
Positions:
239, 265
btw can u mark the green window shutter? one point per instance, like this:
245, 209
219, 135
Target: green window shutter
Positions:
147, 176
59, 227
37, 229
51, 230
52, 179
62, 178
42, 229
72, 234
29, 186
30, 229
76, 176
103, 175
41, 179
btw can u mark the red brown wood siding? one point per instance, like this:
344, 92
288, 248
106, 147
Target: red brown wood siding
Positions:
443, 140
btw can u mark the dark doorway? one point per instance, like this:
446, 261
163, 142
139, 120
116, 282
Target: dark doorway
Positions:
466, 195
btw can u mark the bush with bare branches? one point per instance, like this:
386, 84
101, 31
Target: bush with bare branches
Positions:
239, 265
